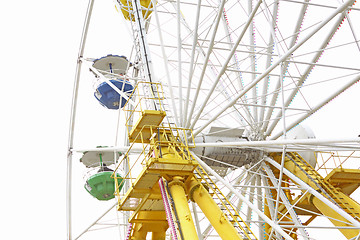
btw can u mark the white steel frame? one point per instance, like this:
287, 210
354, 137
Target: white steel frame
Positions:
265, 115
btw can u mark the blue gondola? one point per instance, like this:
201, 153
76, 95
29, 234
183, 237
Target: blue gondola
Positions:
109, 98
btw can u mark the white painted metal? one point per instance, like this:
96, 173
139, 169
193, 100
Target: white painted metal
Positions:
270, 143
301, 81
278, 62
260, 203
179, 48
114, 64
268, 63
123, 149
236, 61
144, 49
211, 44
72, 121
225, 65
168, 77
191, 68
253, 60
96, 221
320, 105
199, 56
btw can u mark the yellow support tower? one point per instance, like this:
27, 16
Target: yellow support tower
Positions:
298, 166
166, 155
208, 206
150, 221
148, 118
177, 189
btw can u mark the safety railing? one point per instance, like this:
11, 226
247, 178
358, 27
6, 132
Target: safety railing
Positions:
163, 139
328, 161
147, 96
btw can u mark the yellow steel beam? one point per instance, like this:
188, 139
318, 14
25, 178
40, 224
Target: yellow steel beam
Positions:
139, 206
139, 232
335, 218
212, 211
145, 220
150, 221
148, 118
302, 170
182, 208
168, 157
347, 180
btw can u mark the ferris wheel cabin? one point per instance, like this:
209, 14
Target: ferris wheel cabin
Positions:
114, 90
99, 179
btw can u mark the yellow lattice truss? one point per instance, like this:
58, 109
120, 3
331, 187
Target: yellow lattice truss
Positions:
337, 185
165, 155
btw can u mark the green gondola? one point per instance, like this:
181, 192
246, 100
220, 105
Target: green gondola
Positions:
102, 186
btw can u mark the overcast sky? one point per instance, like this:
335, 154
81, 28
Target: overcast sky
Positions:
39, 47
38, 51
39, 42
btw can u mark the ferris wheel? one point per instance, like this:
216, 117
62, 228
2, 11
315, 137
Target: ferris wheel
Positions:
202, 130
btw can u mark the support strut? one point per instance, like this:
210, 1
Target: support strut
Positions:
213, 213
177, 189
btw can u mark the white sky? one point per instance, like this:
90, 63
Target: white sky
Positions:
39, 45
